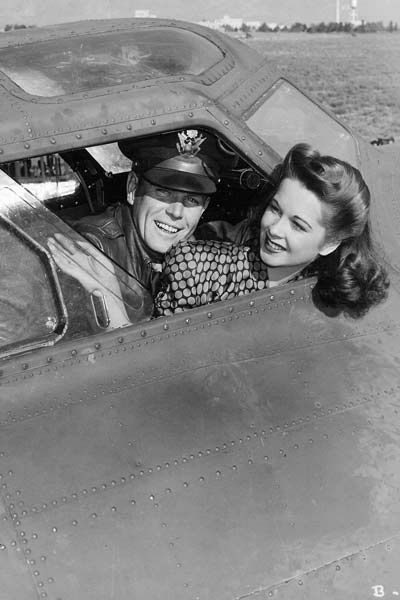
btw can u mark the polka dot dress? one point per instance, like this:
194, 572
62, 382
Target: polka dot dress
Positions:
199, 273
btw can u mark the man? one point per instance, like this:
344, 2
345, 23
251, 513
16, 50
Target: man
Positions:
168, 190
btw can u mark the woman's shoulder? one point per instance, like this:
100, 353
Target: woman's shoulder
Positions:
238, 233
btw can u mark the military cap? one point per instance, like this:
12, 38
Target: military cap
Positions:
184, 161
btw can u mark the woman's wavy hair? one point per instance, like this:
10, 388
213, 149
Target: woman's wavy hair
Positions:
350, 279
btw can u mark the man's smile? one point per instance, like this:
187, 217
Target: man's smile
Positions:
166, 228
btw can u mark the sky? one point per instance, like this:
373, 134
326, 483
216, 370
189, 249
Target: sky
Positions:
45, 12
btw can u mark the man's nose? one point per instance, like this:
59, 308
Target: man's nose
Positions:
175, 209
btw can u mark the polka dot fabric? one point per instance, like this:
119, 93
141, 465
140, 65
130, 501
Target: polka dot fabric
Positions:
199, 273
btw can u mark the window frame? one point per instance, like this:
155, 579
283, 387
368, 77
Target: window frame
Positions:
59, 331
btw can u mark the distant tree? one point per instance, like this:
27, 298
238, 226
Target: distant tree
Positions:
370, 27
332, 27
317, 28
263, 27
298, 27
390, 27
15, 26
244, 27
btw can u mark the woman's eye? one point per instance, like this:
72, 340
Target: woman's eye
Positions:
274, 207
298, 226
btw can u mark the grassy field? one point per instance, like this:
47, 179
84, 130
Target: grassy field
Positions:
356, 77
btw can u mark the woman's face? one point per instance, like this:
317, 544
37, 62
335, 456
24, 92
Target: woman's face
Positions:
292, 233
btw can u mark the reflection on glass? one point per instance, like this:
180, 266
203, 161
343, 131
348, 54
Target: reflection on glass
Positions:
110, 157
45, 177
31, 311
287, 117
70, 65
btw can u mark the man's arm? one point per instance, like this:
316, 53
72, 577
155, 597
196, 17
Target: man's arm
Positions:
94, 271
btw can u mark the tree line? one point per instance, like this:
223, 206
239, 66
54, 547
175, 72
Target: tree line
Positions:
364, 27
10, 27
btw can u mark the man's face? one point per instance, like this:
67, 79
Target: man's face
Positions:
164, 216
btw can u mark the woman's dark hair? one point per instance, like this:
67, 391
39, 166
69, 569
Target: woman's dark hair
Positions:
349, 279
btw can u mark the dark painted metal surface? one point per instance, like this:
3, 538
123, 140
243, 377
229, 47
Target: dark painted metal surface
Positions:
210, 472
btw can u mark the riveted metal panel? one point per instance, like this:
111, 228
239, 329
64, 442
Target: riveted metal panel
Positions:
262, 434
16, 582
238, 517
126, 540
370, 573
265, 456
111, 545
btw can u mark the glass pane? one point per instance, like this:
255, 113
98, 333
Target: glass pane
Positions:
110, 157
46, 177
31, 312
288, 117
66, 66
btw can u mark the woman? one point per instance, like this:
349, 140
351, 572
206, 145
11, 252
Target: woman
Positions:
316, 222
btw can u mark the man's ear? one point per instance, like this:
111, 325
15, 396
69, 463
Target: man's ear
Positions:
329, 248
131, 186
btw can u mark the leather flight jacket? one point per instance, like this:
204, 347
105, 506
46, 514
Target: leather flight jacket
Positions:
115, 234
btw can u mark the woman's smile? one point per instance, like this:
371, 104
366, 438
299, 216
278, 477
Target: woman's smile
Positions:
271, 245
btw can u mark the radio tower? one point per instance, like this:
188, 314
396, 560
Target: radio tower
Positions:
353, 8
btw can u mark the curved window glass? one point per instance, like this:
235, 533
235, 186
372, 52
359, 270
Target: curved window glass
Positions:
31, 310
287, 117
81, 64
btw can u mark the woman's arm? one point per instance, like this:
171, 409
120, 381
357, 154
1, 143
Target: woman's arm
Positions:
200, 273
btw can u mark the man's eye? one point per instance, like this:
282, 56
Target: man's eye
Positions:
162, 193
193, 200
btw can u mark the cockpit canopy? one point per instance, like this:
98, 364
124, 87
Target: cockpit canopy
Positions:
68, 65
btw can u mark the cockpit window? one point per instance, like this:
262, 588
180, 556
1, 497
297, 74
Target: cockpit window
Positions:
32, 313
67, 66
46, 177
110, 157
287, 117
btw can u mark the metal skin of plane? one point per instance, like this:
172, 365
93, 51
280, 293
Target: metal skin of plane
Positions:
245, 450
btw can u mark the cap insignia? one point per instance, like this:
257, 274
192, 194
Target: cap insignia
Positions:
190, 141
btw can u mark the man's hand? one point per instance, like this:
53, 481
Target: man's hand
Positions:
85, 263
